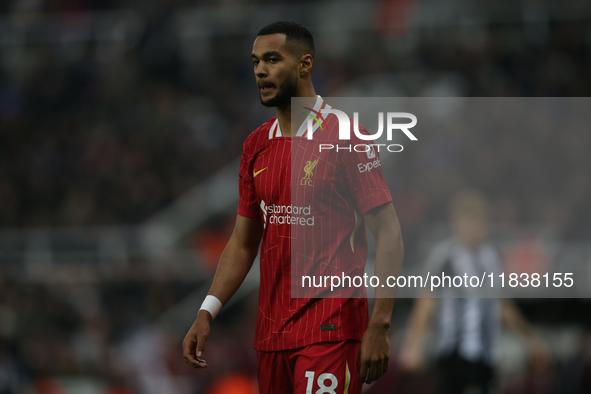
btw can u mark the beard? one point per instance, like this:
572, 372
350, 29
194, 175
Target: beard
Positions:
285, 92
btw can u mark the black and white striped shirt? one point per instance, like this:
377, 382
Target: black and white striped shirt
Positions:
467, 323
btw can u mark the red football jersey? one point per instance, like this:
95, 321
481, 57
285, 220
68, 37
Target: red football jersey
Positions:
311, 203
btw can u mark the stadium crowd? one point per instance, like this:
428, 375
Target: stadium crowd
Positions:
93, 138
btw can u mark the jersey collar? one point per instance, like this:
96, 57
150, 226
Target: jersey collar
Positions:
314, 114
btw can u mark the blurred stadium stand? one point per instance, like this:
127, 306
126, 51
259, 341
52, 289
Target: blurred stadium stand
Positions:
120, 125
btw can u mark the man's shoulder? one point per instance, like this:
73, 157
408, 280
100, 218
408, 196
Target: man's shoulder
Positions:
260, 135
440, 253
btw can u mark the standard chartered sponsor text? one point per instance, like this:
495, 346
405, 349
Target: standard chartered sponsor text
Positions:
290, 214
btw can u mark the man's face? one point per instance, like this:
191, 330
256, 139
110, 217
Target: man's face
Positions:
275, 70
471, 230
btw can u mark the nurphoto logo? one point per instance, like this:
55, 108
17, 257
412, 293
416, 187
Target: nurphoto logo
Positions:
345, 129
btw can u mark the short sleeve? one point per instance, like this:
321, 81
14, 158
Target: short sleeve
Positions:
439, 258
491, 261
364, 178
247, 205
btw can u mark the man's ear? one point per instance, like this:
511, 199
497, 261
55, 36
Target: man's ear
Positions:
306, 63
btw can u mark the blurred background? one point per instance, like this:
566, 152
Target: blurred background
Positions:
121, 126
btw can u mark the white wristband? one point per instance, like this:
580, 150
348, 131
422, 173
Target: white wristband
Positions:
211, 304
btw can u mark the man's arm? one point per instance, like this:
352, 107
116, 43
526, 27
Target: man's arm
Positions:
421, 317
235, 262
374, 354
512, 317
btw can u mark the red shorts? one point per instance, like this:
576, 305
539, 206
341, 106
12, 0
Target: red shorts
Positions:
327, 367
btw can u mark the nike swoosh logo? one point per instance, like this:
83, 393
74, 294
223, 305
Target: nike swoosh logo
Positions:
258, 172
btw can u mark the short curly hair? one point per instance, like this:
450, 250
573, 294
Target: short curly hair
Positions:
295, 33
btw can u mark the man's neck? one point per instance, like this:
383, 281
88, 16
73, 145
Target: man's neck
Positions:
284, 113
284, 118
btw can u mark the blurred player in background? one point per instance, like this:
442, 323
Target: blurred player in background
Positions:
468, 327
304, 345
